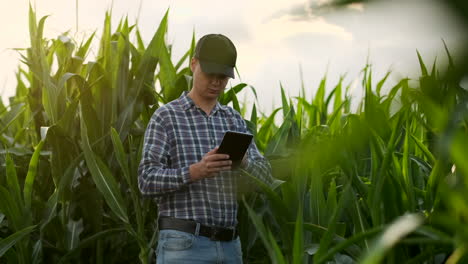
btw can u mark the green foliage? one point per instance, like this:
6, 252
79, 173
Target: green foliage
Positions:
400, 153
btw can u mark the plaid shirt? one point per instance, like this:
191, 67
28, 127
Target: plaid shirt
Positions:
178, 135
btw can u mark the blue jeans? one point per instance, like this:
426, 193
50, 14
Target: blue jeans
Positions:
180, 247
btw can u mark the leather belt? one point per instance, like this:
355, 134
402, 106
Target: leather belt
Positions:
189, 226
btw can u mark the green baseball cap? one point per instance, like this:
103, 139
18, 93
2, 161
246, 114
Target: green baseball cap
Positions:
217, 54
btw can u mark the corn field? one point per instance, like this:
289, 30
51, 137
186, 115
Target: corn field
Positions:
386, 182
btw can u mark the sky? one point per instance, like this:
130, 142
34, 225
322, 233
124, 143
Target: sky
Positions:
277, 41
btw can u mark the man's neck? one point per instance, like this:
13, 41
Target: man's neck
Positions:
203, 103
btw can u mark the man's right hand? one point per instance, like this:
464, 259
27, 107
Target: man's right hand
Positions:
210, 165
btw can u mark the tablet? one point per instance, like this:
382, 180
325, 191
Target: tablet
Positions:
235, 144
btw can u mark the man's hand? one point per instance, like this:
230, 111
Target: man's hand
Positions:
210, 165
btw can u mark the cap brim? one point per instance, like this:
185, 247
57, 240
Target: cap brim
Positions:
211, 67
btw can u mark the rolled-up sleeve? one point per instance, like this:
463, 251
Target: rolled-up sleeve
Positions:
155, 176
257, 165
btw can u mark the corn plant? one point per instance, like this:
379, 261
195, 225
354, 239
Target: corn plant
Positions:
375, 186
88, 201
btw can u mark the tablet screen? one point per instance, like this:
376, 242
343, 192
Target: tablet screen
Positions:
235, 144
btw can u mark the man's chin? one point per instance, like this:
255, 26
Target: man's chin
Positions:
215, 93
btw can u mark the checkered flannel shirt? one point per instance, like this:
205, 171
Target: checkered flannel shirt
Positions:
178, 135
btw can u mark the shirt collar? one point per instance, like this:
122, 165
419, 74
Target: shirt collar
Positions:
186, 103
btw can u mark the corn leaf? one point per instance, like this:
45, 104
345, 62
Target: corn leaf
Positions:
32, 171
298, 246
10, 241
120, 154
10, 209
391, 236
103, 178
267, 237
12, 180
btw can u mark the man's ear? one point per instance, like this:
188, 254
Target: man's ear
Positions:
193, 64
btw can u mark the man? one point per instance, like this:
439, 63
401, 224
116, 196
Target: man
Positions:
195, 186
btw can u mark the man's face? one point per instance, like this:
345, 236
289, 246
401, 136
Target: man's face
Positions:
207, 85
